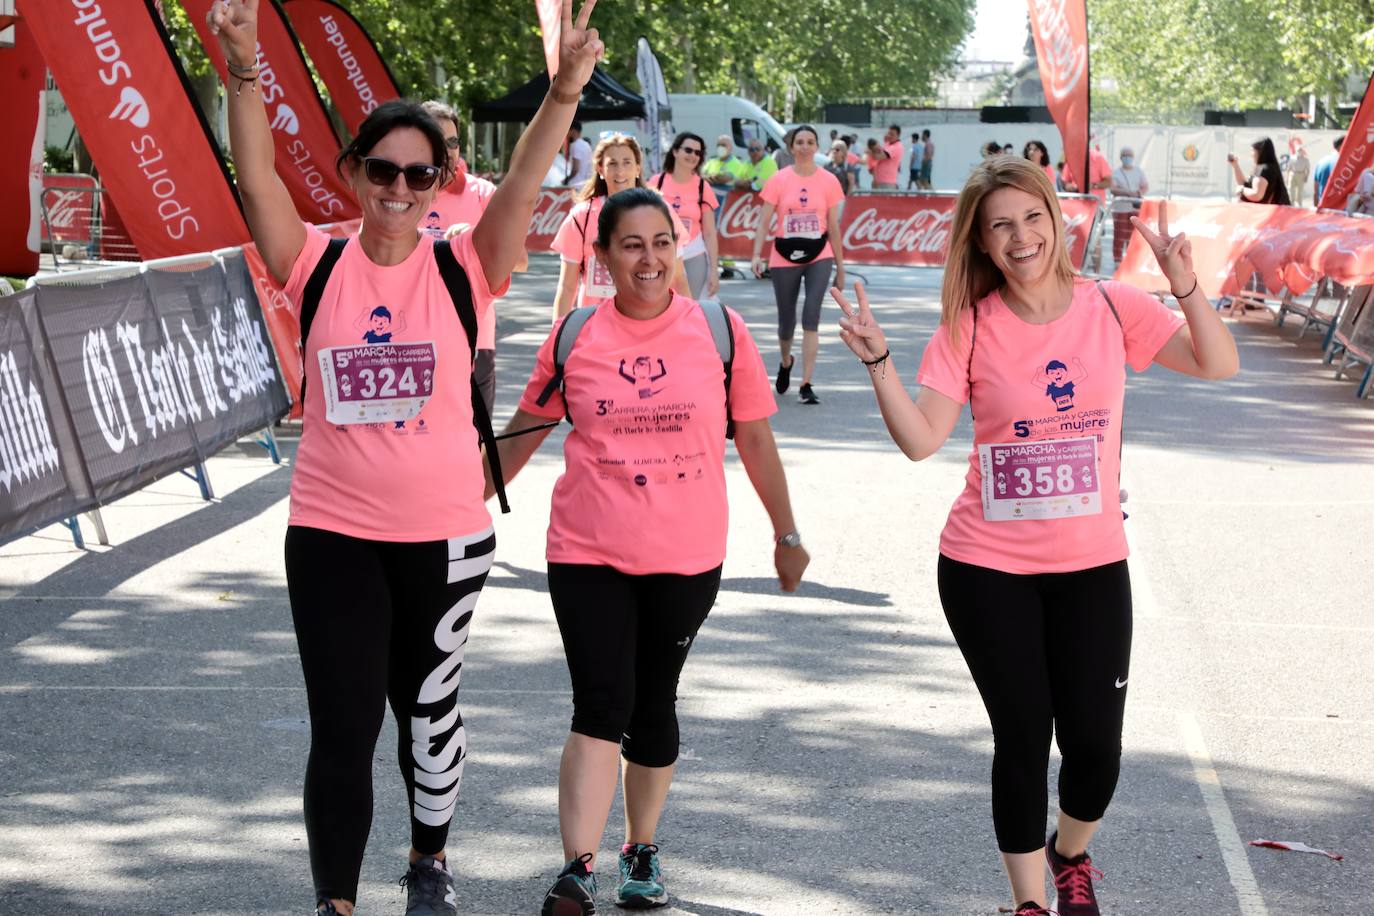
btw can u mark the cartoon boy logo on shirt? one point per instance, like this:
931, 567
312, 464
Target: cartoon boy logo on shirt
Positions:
377, 325
1059, 383
641, 375
433, 226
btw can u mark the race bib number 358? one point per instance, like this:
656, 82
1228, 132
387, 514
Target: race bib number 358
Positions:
377, 383
1054, 478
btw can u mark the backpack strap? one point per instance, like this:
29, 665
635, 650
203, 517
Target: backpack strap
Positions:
582, 261
972, 339
562, 348
723, 335
661, 177
1110, 304
701, 195
460, 291
310, 299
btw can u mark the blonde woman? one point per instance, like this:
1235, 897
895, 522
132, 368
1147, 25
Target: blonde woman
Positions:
617, 164
1032, 570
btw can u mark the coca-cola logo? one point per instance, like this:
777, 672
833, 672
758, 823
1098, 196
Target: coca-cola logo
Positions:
64, 207
549, 212
1063, 58
925, 230
740, 218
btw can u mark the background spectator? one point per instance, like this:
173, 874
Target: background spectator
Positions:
723, 169
758, 169
918, 153
928, 160
579, 156
1265, 184
888, 160
1299, 170
991, 148
1129, 185
1362, 201
845, 172
1039, 154
1322, 173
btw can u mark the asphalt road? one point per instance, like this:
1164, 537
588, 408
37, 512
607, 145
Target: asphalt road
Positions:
835, 754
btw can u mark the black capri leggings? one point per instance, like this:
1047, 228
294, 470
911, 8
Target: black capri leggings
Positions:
626, 639
379, 621
1050, 653
787, 283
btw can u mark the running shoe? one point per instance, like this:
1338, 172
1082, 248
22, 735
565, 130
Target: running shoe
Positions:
1073, 882
574, 893
808, 396
641, 880
429, 888
1030, 908
785, 376
325, 908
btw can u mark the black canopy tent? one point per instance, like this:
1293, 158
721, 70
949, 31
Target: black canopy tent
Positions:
603, 99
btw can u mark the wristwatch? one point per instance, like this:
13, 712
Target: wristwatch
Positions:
790, 539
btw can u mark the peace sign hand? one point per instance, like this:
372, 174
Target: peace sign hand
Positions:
579, 48
858, 328
1173, 252
235, 23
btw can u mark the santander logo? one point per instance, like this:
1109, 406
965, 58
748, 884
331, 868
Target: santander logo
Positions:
132, 107
286, 119
1064, 58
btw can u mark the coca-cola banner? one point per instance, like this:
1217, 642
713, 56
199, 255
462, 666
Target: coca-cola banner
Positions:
107, 388
1357, 154
1286, 246
345, 57
21, 154
69, 201
133, 106
1060, 28
301, 131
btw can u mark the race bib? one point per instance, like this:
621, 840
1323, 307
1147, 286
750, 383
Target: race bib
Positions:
599, 282
377, 383
1053, 478
802, 224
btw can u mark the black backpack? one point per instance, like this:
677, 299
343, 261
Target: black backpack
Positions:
460, 291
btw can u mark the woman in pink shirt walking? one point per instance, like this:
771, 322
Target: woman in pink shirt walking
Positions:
695, 206
1032, 571
388, 542
638, 526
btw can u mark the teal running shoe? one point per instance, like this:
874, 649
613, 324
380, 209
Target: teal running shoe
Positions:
574, 893
641, 880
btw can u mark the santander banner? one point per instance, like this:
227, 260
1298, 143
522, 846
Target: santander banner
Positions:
345, 56
1357, 154
304, 138
22, 76
1061, 47
551, 25
895, 229
132, 104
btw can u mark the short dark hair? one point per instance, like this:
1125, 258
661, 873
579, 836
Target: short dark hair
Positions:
577, 126
393, 115
624, 201
925, 133
894, 127
1055, 364
1338, 142
915, 136
381, 311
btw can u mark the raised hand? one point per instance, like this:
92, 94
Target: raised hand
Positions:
858, 328
1173, 252
579, 48
235, 23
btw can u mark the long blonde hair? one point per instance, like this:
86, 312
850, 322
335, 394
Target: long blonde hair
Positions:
969, 272
596, 185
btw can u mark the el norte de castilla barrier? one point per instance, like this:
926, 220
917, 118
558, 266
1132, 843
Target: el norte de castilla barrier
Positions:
108, 383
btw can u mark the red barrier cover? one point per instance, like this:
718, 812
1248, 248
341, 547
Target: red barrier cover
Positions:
304, 138
906, 229
345, 57
71, 210
1357, 154
131, 101
1060, 28
1286, 246
21, 156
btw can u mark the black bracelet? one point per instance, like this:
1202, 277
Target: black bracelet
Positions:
1187, 294
881, 359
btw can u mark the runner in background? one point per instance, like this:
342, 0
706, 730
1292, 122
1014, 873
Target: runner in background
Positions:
685, 189
1032, 570
457, 208
637, 532
618, 164
388, 542
807, 203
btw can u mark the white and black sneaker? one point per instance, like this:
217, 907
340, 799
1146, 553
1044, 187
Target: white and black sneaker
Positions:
429, 888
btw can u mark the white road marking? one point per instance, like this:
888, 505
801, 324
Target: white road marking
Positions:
1233, 854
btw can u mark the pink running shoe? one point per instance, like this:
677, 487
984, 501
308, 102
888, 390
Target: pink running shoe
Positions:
1073, 882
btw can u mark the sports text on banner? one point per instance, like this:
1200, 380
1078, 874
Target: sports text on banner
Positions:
1356, 155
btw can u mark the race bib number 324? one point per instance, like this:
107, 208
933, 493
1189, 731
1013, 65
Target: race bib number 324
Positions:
1054, 478
377, 383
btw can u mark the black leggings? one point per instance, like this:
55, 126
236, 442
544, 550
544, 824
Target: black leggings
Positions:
626, 638
787, 284
380, 621
1050, 653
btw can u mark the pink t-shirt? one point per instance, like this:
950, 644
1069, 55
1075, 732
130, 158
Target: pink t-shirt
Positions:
573, 242
388, 451
1032, 384
643, 489
1099, 169
885, 170
801, 208
452, 207
686, 201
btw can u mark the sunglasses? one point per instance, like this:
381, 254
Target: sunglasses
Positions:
695, 151
451, 142
383, 172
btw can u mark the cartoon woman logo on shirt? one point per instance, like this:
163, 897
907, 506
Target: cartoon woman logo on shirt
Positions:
1059, 383
377, 325
641, 375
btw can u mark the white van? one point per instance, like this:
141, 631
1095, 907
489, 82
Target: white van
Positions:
709, 116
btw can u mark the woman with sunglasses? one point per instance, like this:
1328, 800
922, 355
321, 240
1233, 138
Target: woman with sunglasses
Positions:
682, 185
617, 164
389, 541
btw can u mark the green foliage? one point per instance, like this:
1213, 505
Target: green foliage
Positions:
58, 159
1230, 54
